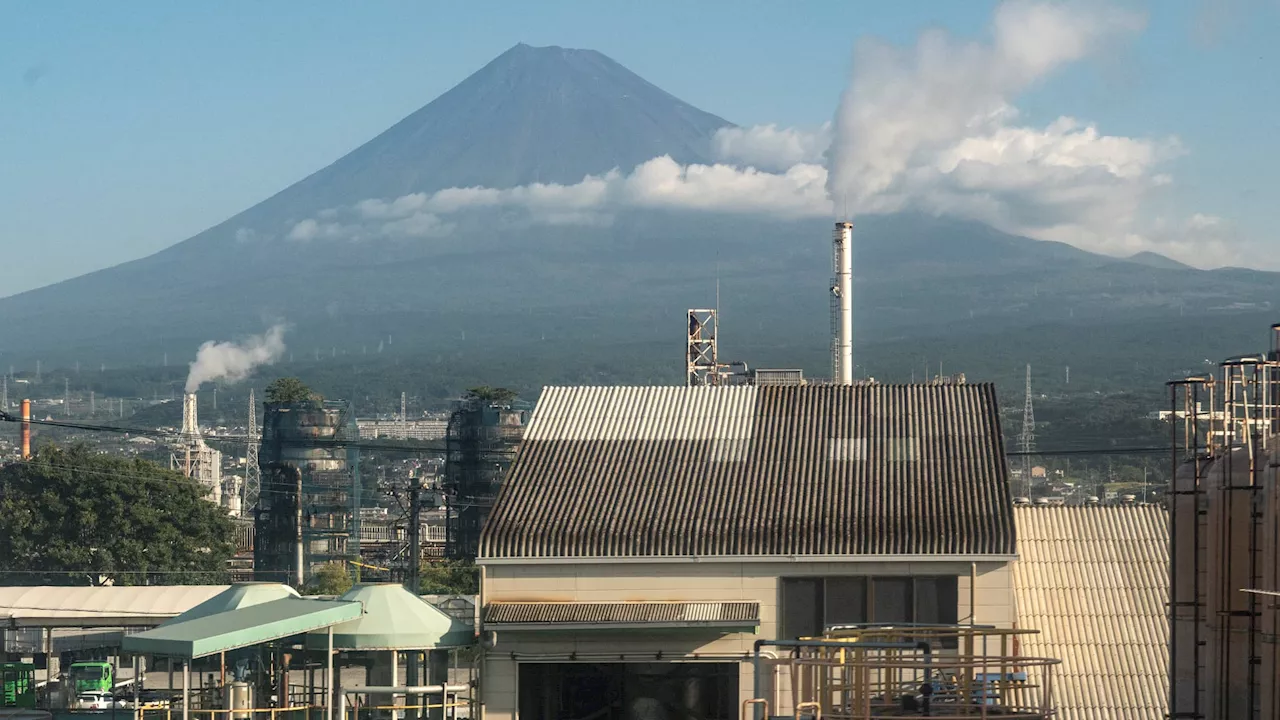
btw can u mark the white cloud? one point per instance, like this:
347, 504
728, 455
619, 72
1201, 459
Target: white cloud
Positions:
771, 148
658, 183
311, 229
417, 225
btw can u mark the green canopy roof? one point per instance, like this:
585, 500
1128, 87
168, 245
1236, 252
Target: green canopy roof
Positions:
394, 619
239, 595
252, 625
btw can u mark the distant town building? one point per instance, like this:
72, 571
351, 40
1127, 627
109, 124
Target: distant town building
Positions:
394, 429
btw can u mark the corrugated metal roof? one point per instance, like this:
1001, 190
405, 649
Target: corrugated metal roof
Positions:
100, 606
1094, 581
621, 613
725, 471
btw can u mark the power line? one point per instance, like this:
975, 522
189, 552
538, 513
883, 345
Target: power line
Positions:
334, 443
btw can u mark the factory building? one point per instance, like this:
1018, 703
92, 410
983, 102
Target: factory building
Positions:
192, 457
397, 429
646, 537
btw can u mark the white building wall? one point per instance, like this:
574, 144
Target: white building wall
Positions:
686, 581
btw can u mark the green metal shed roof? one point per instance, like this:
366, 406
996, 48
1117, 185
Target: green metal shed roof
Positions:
394, 619
239, 595
242, 627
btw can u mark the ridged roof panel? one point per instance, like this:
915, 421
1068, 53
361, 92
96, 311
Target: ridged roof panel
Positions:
1094, 581
724, 471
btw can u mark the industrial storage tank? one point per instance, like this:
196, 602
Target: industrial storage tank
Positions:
1225, 539
483, 438
304, 448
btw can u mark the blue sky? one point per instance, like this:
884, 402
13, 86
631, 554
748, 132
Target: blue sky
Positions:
127, 127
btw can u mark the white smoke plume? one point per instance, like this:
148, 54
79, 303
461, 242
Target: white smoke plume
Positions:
771, 148
232, 361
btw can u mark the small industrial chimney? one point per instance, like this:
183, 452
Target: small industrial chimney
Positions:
26, 429
190, 424
842, 304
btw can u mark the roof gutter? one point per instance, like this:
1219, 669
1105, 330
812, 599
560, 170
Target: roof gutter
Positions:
697, 559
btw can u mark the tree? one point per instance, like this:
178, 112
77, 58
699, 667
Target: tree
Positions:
74, 516
329, 579
290, 390
449, 578
499, 396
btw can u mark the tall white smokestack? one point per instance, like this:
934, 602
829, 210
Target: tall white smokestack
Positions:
842, 304
190, 424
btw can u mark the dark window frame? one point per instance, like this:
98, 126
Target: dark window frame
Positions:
806, 621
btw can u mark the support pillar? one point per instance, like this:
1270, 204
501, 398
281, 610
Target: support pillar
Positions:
437, 674
328, 677
186, 690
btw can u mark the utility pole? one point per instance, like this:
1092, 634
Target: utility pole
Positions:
252, 473
412, 574
1027, 441
412, 579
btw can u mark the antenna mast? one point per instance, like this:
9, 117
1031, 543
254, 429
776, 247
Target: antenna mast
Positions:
1027, 441
252, 473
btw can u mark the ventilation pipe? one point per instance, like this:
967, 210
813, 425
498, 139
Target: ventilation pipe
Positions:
842, 305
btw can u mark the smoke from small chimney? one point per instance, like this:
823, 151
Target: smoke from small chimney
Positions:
234, 361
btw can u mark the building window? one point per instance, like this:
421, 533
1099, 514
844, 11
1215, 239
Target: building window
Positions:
810, 605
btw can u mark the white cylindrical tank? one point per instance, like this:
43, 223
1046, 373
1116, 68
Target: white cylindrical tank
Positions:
240, 700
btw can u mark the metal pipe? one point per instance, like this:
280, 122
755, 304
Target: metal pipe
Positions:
328, 676
755, 653
405, 689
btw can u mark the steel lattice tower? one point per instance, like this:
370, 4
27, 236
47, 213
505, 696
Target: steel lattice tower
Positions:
1027, 441
252, 473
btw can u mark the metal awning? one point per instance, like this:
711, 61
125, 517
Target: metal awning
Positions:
242, 627
104, 606
728, 616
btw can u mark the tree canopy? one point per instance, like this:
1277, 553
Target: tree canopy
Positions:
72, 516
447, 577
498, 395
290, 389
329, 579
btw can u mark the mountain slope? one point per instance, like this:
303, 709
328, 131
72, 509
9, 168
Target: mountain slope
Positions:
548, 114
498, 286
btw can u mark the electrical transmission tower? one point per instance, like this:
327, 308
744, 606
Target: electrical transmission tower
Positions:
252, 473
404, 419
1027, 441
66, 397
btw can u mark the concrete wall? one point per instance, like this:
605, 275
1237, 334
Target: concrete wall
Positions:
701, 581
